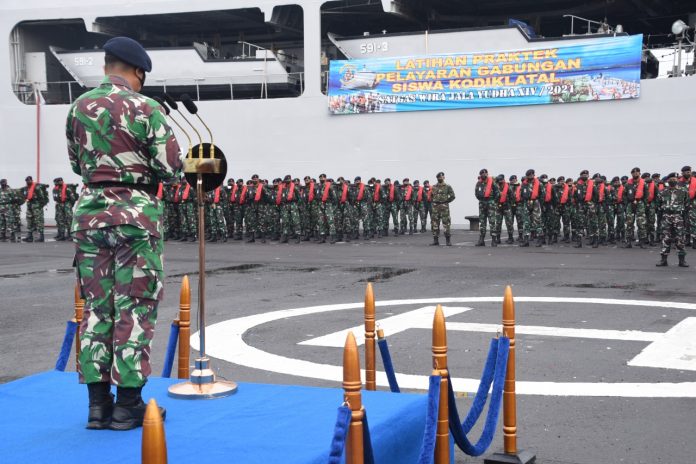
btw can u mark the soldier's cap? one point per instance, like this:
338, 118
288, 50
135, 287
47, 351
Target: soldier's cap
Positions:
623, 178
686, 168
596, 175
357, 179
616, 179
3, 181
645, 175
530, 172
543, 177
513, 177
341, 179
406, 179
129, 51
387, 180
396, 182
635, 170
552, 180
584, 172
296, 180
249, 182
55, 180
500, 178
440, 174
322, 175
306, 178
240, 181
28, 178
561, 179
426, 182
656, 176
569, 180
287, 178
330, 180
483, 171
254, 177
672, 174
230, 181
416, 182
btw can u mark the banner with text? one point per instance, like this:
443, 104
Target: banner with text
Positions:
597, 69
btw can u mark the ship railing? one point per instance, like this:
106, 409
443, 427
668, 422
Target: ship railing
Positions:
65, 92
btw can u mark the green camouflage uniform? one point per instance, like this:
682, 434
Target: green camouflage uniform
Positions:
35, 207
635, 211
689, 185
17, 210
600, 200
289, 211
420, 207
377, 210
362, 209
188, 210
504, 211
171, 211
407, 218
673, 202
64, 198
391, 208
343, 212
119, 136
563, 210
520, 196
618, 213
651, 209
216, 217
253, 214
327, 206
488, 207
442, 196
534, 208
7, 226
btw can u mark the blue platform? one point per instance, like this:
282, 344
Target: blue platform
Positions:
42, 419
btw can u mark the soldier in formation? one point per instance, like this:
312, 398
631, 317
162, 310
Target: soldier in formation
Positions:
626, 210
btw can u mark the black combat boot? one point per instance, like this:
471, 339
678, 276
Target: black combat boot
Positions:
410, 231
41, 238
448, 240
298, 239
682, 261
183, 238
251, 239
641, 243
481, 241
663, 261
540, 241
3, 237
494, 241
224, 237
510, 239
29, 238
651, 240
129, 409
578, 242
212, 238
366, 236
520, 238
13, 237
283, 238
524, 242
693, 245
332, 239
436, 241
346, 238
58, 235
629, 243
263, 238
322, 238
423, 230
595, 242
101, 405
566, 237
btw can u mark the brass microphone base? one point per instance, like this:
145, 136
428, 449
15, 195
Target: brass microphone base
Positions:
202, 385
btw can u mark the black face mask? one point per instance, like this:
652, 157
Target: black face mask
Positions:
141, 79
672, 183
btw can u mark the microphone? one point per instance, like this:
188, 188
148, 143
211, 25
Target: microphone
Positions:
171, 102
168, 113
193, 109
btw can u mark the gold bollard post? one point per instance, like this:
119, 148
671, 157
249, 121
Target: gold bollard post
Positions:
351, 387
79, 314
511, 454
154, 446
442, 445
184, 328
370, 375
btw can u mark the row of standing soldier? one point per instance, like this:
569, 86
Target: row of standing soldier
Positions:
36, 197
604, 212
287, 209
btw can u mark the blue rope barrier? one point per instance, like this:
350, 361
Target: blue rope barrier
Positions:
427, 453
388, 366
338, 443
489, 428
64, 355
171, 350
482, 393
368, 455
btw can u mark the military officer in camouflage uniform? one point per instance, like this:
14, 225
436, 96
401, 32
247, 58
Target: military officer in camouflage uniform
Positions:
362, 207
287, 197
533, 203
442, 196
63, 199
188, 211
487, 194
253, 216
121, 145
407, 217
688, 182
504, 210
673, 201
390, 202
636, 193
427, 204
218, 227
7, 228
327, 206
563, 209
36, 197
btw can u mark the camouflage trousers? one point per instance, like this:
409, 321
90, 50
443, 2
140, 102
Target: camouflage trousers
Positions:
35, 217
228, 211
363, 212
522, 217
407, 216
504, 212
564, 213
673, 233
172, 222
271, 215
390, 209
16, 213
216, 220
487, 217
619, 220
440, 213
290, 219
602, 221
378, 218
7, 225
690, 224
549, 218
534, 213
327, 224
120, 275
188, 215
609, 218
313, 215
61, 226
650, 217
343, 217
238, 219
254, 220
635, 214
579, 221
421, 212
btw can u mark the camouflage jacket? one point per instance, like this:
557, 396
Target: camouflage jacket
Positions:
70, 194
40, 194
6, 199
117, 135
673, 201
442, 193
480, 190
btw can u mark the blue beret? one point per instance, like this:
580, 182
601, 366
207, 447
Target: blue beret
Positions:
129, 51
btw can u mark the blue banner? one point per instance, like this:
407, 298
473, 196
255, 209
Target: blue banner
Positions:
599, 69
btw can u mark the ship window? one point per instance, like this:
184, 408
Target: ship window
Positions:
211, 55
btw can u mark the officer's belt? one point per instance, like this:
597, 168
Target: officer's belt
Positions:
440, 202
149, 188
